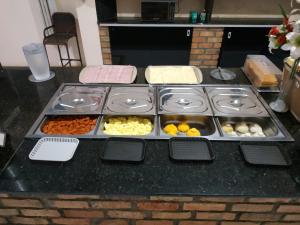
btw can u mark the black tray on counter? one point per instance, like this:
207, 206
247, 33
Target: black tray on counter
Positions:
191, 149
268, 154
124, 149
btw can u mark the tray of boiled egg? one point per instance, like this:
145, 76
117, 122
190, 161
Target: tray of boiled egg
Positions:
247, 127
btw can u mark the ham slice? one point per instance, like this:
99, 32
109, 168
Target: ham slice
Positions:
108, 74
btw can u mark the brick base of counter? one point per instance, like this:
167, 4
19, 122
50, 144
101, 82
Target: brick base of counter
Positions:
157, 210
205, 47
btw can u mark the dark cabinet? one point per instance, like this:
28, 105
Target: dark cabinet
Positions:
143, 46
106, 10
239, 42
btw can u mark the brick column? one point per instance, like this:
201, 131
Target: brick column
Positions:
205, 49
105, 45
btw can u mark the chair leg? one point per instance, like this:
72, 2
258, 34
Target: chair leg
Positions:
47, 55
69, 59
78, 51
62, 63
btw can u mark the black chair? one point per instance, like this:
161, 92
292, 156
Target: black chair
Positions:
63, 28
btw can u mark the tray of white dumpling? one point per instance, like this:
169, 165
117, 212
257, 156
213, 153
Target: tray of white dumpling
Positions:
247, 127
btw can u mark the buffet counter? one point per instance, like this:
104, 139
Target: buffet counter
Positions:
215, 22
87, 190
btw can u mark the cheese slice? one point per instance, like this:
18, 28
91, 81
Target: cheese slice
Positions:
172, 75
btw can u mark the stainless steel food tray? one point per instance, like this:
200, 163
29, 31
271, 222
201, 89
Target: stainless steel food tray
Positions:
74, 99
152, 135
205, 124
270, 130
235, 101
134, 99
214, 121
38, 131
183, 100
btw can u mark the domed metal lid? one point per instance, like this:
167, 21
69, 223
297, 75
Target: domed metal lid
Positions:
235, 101
183, 100
130, 100
78, 99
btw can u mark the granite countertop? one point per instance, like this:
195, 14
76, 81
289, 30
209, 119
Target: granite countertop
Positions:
87, 174
184, 22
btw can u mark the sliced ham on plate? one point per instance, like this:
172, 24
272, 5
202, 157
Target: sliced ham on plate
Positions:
108, 74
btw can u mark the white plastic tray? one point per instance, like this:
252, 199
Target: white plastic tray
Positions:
59, 149
197, 71
98, 79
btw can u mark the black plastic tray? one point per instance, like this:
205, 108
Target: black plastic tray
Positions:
191, 149
124, 149
269, 154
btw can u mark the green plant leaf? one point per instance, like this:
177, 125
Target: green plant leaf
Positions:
282, 11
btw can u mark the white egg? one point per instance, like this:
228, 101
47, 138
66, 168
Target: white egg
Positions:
232, 134
255, 128
242, 127
245, 135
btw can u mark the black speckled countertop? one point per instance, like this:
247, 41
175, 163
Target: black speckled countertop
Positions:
87, 174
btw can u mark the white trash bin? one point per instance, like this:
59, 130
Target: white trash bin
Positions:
36, 58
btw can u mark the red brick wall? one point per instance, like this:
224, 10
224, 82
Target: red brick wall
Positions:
205, 49
157, 210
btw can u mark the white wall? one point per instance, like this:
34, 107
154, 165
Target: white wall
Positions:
21, 23
85, 12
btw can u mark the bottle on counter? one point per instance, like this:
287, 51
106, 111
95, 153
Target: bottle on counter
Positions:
193, 16
203, 15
